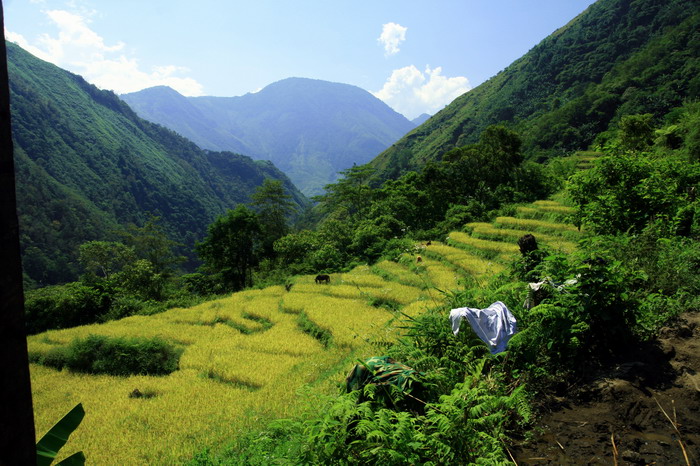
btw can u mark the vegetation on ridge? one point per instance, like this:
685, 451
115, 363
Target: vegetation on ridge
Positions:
617, 58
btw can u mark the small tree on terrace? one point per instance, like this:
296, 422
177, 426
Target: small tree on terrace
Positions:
351, 194
105, 258
232, 247
273, 205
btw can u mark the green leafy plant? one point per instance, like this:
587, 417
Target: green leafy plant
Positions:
47, 448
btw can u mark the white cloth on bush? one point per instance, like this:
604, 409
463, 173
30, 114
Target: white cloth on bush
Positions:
536, 286
493, 325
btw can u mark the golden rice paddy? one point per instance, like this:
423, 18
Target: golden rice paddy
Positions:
247, 356
400, 273
553, 228
498, 247
488, 231
468, 263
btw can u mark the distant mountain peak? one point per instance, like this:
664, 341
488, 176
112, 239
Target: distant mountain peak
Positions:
310, 128
160, 90
420, 119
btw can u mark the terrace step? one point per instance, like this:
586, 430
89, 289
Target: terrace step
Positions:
491, 250
470, 264
487, 231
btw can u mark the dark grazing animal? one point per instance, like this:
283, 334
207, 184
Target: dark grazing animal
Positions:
323, 278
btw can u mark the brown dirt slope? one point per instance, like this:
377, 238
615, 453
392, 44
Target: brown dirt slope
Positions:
644, 410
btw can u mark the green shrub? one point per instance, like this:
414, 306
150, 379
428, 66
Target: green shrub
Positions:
123, 306
202, 284
115, 356
63, 306
465, 425
590, 312
624, 193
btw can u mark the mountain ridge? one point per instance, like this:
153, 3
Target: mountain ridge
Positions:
311, 129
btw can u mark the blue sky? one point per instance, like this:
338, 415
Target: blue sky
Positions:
417, 56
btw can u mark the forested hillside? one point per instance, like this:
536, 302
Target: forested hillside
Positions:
310, 129
87, 166
615, 58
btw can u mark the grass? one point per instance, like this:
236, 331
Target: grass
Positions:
489, 231
538, 226
487, 248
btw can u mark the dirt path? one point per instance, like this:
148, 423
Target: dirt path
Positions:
628, 406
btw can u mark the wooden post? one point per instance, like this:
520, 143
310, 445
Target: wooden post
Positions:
17, 437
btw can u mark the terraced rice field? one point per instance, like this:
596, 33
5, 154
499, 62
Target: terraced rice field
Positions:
248, 356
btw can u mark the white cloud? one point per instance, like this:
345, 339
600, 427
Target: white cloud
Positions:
412, 92
391, 37
24, 43
81, 50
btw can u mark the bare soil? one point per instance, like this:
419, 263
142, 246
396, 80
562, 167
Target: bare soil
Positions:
644, 409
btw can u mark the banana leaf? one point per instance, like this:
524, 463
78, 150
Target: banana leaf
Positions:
47, 448
76, 459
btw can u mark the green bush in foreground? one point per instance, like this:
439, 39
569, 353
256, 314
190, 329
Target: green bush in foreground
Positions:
114, 356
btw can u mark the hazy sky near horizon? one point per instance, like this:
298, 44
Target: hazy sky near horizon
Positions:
416, 56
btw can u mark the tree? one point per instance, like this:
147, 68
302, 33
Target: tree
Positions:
141, 279
293, 250
625, 192
637, 131
151, 242
232, 247
104, 258
502, 146
351, 194
273, 205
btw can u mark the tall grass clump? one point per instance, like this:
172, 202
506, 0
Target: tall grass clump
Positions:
98, 354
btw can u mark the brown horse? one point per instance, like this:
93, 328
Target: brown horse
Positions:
323, 278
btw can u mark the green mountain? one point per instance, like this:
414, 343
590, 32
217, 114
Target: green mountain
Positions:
616, 58
87, 165
310, 129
